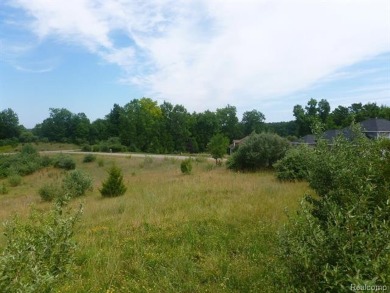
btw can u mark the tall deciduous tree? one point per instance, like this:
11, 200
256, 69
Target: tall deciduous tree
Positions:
205, 126
217, 146
252, 121
9, 124
228, 122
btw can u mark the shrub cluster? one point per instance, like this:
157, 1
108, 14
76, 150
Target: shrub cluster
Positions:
89, 158
113, 144
259, 151
75, 183
341, 235
39, 252
186, 166
63, 161
24, 163
295, 165
50, 191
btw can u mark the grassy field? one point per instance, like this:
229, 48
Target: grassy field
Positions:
211, 231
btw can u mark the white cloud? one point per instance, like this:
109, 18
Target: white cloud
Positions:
206, 54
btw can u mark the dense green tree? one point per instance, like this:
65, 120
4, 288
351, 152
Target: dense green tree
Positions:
323, 111
301, 120
228, 122
204, 127
141, 124
114, 120
259, 151
341, 117
99, 130
177, 124
284, 129
218, 146
57, 127
64, 126
9, 124
252, 121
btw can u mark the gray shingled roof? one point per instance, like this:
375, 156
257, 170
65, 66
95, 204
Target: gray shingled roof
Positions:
369, 125
375, 125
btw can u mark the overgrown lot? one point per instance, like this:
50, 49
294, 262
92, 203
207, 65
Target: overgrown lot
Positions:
213, 230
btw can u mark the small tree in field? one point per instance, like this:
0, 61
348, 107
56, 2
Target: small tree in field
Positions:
217, 146
114, 185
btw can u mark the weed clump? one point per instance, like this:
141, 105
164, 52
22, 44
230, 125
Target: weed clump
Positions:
64, 162
76, 183
89, 158
14, 180
3, 189
40, 252
186, 166
50, 191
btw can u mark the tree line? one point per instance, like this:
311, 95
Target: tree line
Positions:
144, 125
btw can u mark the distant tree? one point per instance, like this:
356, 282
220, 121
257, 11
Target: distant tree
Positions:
114, 185
284, 129
323, 111
204, 127
252, 121
228, 122
218, 146
341, 117
114, 120
9, 124
99, 130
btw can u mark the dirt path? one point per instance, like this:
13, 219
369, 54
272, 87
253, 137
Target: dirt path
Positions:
157, 156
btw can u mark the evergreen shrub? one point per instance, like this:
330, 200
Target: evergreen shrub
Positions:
114, 185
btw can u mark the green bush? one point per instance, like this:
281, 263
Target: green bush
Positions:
76, 183
89, 158
3, 188
26, 162
14, 180
39, 253
341, 235
295, 165
101, 162
64, 162
114, 185
51, 191
218, 146
86, 148
186, 166
259, 151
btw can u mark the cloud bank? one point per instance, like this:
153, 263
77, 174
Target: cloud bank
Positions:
208, 53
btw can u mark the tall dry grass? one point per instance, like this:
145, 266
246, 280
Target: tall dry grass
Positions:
213, 230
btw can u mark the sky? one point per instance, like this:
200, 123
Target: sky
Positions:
268, 55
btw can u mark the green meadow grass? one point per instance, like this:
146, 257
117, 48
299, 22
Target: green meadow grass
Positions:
211, 231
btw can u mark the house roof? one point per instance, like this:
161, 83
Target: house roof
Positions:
331, 134
369, 125
309, 139
376, 125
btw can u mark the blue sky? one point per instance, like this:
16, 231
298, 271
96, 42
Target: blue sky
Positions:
86, 55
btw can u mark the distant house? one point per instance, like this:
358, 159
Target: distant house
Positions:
309, 139
372, 128
375, 128
236, 143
